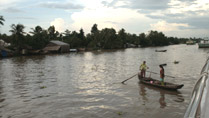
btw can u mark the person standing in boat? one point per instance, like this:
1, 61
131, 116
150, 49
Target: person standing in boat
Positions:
162, 74
143, 68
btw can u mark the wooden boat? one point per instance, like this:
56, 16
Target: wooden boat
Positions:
81, 49
190, 42
176, 62
157, 83
73, 50
160, 50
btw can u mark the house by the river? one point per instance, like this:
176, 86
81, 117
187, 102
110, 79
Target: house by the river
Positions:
57, 47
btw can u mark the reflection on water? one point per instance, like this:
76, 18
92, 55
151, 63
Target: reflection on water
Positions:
88, 84
162, 93
162, 100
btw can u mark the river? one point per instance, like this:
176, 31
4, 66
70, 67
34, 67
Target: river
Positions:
88, 84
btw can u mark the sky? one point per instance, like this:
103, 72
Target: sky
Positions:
176, 18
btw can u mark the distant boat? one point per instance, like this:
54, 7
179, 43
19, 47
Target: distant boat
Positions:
81, 49
160, 50
190, 42
73, 50
204, 43
176, 62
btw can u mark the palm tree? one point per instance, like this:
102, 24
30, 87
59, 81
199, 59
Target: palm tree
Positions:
67, 33
1, 20
17, 33
40, 38
37, 30
17, 29
94, 29
122, 35
52, 33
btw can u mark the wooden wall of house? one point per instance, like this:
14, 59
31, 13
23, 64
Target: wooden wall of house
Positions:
65, 48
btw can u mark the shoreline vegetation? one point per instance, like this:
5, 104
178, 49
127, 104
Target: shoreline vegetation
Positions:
107, 38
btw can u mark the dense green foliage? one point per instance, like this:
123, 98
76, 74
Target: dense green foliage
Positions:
17, 35
107, 38
40, 38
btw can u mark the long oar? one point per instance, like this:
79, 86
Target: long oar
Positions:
129, 78
159, 74
175, 62
164, 64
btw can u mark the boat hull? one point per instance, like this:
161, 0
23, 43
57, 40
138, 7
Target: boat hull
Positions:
160, 50
157, 83
203, 45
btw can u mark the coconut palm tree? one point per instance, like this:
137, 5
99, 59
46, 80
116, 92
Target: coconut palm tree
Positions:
17, 33
37, 30
40, 38
17, 29
52, 33
1, 20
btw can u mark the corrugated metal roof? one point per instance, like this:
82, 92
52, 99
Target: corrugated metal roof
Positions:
52, 48
3, 48
58, 42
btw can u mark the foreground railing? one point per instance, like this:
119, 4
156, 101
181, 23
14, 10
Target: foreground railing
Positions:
199, 104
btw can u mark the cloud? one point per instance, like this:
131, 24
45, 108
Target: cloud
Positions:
4, 4
198, 22
179, 29
164, 26
196, 14
187, 33
106, 17
136, 16
26, 18
13, 10
60, 5
179, 11
59, 24
140, 4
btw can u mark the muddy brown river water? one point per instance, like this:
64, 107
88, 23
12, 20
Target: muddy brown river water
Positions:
88, 84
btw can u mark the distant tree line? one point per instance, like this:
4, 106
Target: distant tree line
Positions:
107, 38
